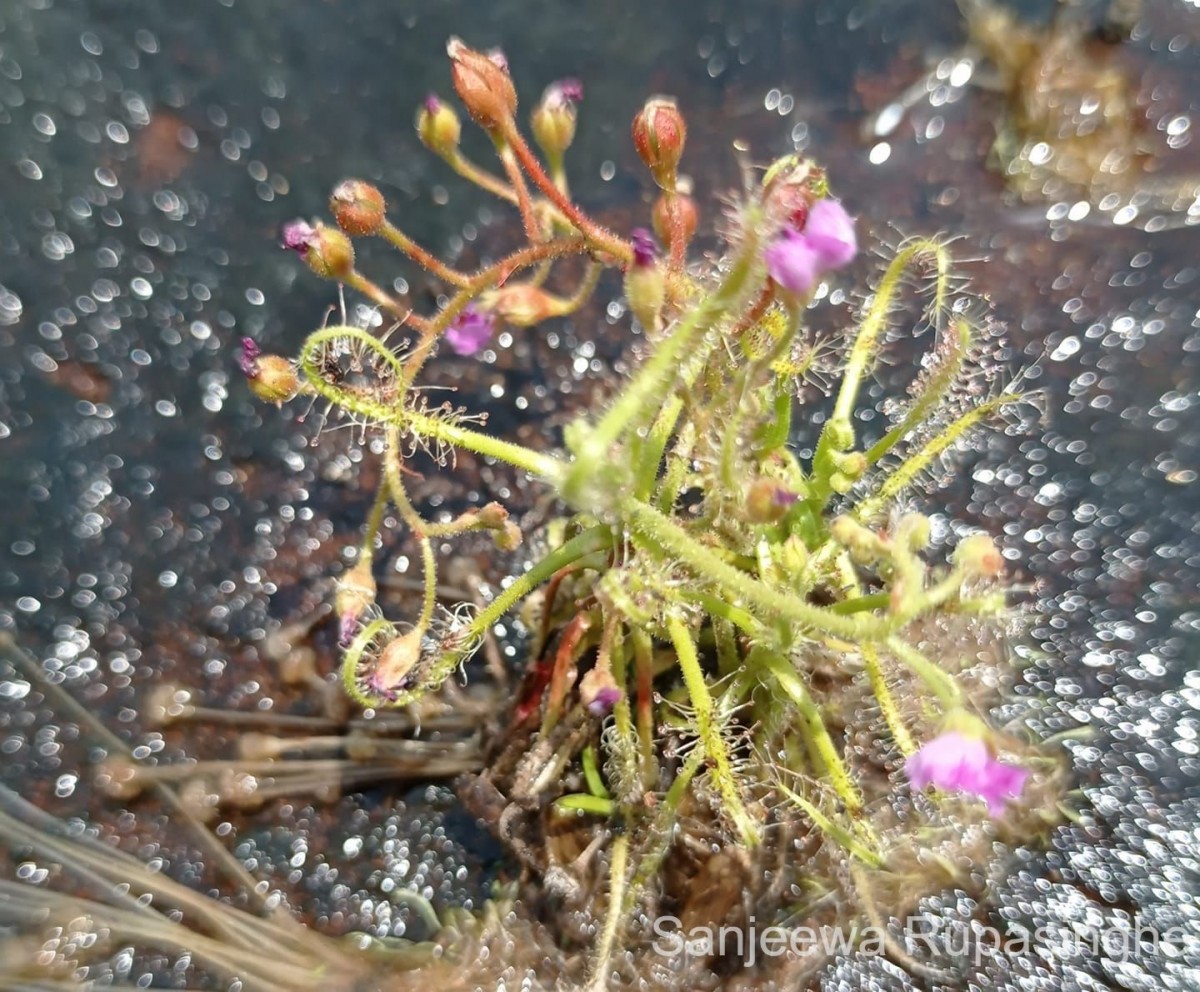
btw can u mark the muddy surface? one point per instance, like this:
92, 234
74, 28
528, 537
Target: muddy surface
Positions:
158, 523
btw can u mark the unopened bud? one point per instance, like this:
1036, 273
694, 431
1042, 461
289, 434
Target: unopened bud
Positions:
794, 556
358, 207
438, 127
645, 282
675, 212
659, 133
863, 543
492, 516
326, 250
853, 465
355, 594
272, 378
767, 501
483, 84
598, 692
508, 537
914, 531
978, 556
792, 184
522, 305
396, 662
841, 434
553, 120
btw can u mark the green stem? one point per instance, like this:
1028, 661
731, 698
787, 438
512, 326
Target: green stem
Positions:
736, 584
709, 732
653, 381
887, 702
936, 389
594, 539
618, 868
391, 468
944, 686
403, 243
788, 679
479, 176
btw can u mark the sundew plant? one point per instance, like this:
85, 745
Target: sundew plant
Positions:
756, 685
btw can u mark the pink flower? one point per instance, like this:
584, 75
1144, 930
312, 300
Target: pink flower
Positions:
958, 763
792, 262
563, 93
248, 359
469, 331
297, 236
796, 259
830, 232
644, 251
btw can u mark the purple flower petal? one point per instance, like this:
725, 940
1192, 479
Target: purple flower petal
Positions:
956, 762
829, 231
433, 103
469, 331
569, 90
297, 236
792, 262
604, 700
644, 250
248, 359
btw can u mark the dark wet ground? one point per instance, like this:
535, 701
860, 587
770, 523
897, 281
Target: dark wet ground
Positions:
157, 520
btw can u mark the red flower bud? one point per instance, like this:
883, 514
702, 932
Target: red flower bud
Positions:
659, 133
672, 209
483, 84
358, 207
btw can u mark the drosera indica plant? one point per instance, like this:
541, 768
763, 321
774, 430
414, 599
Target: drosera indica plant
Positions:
754, 670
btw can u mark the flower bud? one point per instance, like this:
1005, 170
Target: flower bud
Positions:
645, 283
358, 207
791, 185
483, 84
396, 662
326, 250
673, 211
979, 557
272, 378
914, 531
863, 543
508, 537
492, 516
522, 305
659, 133
553, 120
438, 127
598, 692
852, 464
794, 556
355, 594
767, 501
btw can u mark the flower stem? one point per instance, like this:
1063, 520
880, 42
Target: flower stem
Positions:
709, 732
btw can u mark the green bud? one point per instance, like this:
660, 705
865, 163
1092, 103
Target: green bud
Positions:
438, 127
979, 557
